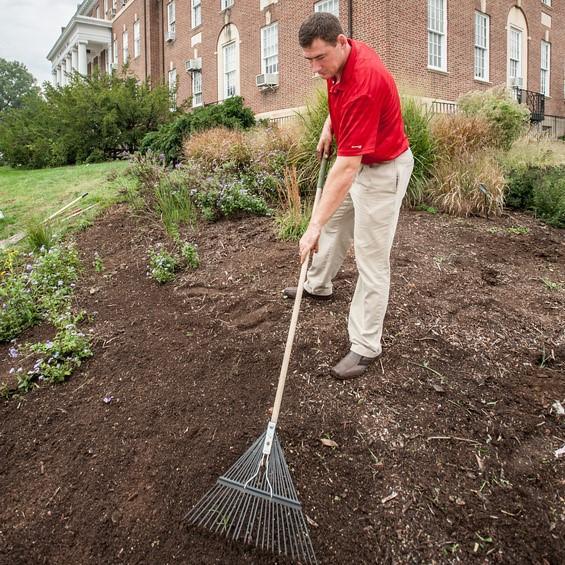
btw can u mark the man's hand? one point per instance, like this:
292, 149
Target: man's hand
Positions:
309, 241
324, 146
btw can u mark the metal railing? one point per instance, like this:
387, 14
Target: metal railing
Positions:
535, 101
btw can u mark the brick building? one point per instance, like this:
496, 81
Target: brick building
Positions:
212, 49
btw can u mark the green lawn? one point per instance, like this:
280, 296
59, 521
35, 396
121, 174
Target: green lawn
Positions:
38, 193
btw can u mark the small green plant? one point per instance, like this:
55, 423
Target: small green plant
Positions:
190, 255
426, 208
39, 235
60, 356
551, 285
518, 230
161, 265
97, 263
174, 203
18, 309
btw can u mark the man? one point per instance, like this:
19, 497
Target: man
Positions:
365, 187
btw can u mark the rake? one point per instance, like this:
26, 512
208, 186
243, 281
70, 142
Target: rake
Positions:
255, 500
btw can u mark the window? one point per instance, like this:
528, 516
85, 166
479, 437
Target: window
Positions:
545, 67
171, 19
331, 6
136, 38
437, 40
115, 52
224, 4
105, 7
196, 13
125, 49
173, 88
515, 69
481, 46
197, 88
270, 48
546, 2
228, 53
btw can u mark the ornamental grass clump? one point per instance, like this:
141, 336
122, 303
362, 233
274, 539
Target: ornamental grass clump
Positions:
292, 218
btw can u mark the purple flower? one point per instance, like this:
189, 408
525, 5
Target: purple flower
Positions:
48, 344
13, 352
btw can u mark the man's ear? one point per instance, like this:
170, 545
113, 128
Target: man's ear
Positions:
341, 40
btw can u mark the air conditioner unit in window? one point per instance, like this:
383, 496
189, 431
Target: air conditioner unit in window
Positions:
517, 82
170, 36
267, 80
193, 65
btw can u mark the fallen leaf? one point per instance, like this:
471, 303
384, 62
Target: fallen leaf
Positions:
311, 522
328, 442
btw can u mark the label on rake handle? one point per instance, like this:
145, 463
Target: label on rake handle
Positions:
269, 438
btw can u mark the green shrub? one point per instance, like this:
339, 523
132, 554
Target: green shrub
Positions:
549, 200
18, 309
162, 265
417, 125
91, 119
168, 140
508, 119
190, 255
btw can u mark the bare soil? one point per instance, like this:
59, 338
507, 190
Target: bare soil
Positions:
445, 447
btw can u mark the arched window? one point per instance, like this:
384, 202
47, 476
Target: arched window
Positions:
228, 62
517, 49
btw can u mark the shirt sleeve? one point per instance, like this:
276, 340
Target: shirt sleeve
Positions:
359, 126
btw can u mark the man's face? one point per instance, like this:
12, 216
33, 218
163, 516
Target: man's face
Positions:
325, 59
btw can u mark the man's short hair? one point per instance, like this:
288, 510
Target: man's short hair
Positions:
320, 25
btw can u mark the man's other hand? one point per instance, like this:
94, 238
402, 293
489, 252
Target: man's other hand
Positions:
309, 241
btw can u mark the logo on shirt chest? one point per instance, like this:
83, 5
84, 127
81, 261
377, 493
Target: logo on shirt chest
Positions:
356, 147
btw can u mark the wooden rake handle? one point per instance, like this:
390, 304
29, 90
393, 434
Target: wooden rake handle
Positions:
297, 301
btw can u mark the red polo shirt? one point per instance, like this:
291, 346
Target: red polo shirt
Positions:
365, 108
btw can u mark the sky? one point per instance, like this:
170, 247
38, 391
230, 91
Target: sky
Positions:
28, 30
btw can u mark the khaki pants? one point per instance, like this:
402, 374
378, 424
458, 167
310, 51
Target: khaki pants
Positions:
368, 215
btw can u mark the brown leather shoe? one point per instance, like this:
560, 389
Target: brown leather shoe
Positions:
290, 292
351, 366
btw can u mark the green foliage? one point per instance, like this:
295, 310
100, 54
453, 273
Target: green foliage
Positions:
162, 265
417, 125
91, 119
98, 263
190, 254
304, 158
173, 202
540, 189
507, 118
16, 82
167, 142
59, 357
36, 287
39, 234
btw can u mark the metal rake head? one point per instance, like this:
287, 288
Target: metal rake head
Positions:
256, 502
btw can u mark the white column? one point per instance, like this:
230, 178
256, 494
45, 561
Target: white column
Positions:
69, 65
74, 58
82, 66
54, 77
63, 72
59, 79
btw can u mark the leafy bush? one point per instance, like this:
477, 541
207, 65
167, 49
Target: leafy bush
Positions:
91, 119
190, 255
168, 140
507, 118
417, 125
162, 265
17, 307
540, 189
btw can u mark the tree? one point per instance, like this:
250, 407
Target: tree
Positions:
16, 82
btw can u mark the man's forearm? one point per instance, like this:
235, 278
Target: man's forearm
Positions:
337, 186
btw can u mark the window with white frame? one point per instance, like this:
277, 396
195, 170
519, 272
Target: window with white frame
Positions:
546, 2
224, 4
173, 88
136, 38
545, 67
331, 6
481, 46
196, 88
515, 63
437, 37
270, 48
228, 54
171, 16
125, 48
115, 52
105, 7
196, 13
